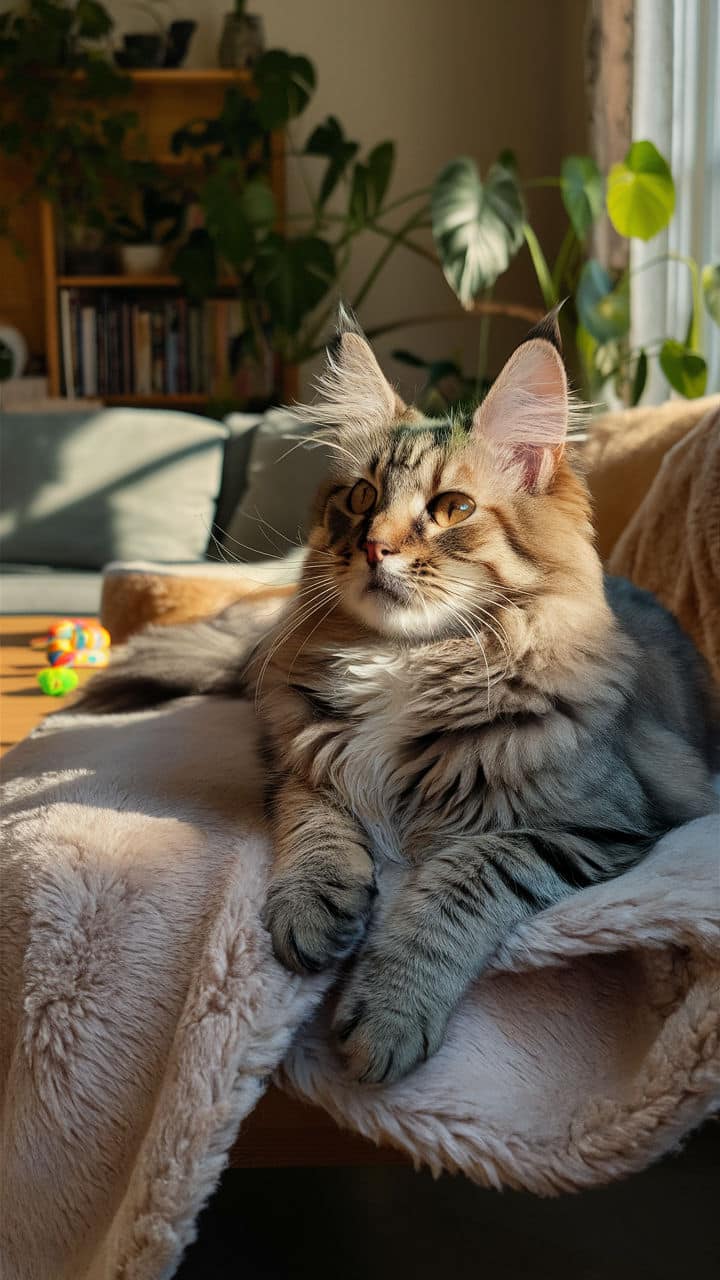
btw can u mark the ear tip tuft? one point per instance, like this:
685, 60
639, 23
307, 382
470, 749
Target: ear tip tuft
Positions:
547, 329
346, 321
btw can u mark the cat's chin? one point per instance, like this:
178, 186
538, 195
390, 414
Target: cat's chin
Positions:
390, 617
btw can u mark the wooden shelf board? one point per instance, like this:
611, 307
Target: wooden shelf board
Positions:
130, 282
188, 160
118, 282
189, 75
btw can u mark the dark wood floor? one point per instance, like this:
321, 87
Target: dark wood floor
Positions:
394, 1224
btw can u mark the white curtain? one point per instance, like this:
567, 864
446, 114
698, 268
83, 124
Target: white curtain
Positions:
676, 104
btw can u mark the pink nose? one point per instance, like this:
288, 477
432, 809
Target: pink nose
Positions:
376, 551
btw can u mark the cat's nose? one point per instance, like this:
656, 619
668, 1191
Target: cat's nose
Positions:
376, 551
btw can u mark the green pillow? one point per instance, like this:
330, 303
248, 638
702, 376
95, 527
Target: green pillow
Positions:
82, 488
283, 475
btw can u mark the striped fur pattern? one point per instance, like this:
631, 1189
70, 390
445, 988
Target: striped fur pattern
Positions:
470, 712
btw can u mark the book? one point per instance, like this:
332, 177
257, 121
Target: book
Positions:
207, 373
89, 351
183, 369
142, 379
126, 346
193, 349
157, 348
101, 344
66, 341
172, 352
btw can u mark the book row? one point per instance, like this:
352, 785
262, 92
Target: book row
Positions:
116, 345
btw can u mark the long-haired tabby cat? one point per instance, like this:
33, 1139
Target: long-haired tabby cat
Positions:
454, 690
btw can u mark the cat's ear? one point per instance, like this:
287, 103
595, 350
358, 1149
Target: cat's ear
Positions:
526, 410
353, 388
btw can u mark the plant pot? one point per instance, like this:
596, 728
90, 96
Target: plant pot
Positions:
178, 41
141, 259
84, 251
141, 49
242, 40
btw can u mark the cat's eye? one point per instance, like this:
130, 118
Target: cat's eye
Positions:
361, 498
450, 508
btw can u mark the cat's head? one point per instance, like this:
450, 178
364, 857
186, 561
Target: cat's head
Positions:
427, 525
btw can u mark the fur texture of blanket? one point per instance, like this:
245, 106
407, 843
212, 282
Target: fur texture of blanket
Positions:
143, 1012
671, 546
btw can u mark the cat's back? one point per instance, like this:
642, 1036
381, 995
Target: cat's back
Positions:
671, 685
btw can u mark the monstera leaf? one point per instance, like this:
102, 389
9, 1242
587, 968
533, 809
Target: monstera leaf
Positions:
369, 184
477, 226
196, 264
284, 83
581, 187
641, 192
294, 276
604, 310
685, 370
329, 140
237, 213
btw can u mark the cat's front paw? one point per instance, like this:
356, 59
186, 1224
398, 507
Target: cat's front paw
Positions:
385, 1024
315, 920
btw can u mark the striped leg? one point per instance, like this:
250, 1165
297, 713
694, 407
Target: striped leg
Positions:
449, 918
323, 881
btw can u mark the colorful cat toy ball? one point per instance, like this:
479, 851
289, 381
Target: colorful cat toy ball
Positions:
57, 681
74, 642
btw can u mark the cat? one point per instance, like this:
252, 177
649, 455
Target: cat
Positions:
454, 698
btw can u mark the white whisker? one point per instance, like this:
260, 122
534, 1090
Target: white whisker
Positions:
305, 613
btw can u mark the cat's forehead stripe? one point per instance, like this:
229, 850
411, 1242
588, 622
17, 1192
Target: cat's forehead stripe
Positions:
409, 447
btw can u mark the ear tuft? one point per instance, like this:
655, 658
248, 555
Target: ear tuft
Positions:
526, 412
548, 329
353, 389
346, 321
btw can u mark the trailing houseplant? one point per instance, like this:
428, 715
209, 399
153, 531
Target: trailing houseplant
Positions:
63, 115
289, 279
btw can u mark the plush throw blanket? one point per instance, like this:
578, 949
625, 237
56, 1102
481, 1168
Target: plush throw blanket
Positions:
143, 1013
671, 546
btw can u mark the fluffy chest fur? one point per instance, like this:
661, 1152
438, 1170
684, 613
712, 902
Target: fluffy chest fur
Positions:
419, 749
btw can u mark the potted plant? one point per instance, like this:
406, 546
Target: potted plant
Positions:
64, 122
242, 39
143, 238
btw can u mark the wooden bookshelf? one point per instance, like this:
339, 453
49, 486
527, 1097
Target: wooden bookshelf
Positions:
163, 100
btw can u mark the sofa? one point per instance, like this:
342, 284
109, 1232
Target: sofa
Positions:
84, 489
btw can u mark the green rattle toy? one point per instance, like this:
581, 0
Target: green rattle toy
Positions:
57, 681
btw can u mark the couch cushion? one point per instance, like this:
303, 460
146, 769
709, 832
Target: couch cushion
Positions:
283, 475
241, 429
34, 589
80, 489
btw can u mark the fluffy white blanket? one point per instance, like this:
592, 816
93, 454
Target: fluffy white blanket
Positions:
143, 1013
